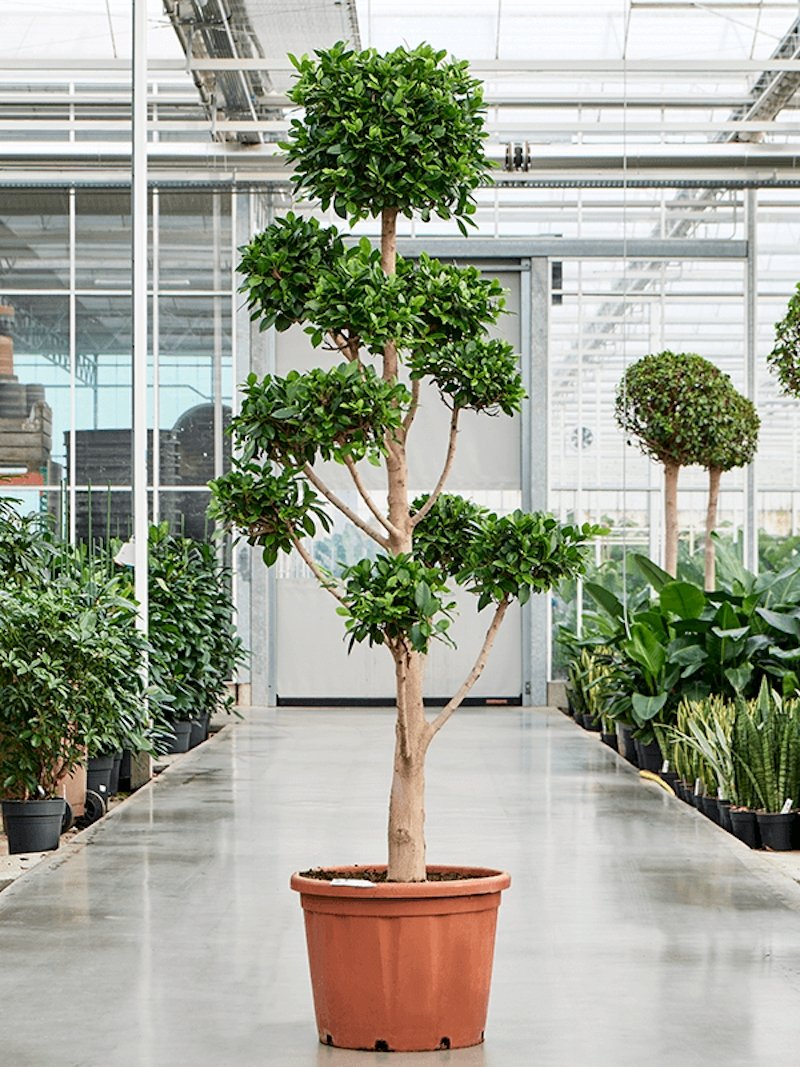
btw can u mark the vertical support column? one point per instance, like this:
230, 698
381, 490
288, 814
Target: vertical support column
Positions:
139, 288
750, 553
536, 613
156, 363
72, 496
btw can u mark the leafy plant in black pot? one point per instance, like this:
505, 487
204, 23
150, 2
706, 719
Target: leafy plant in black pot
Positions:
194, 647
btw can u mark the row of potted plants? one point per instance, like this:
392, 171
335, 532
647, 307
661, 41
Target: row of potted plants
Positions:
70, 690
737, 761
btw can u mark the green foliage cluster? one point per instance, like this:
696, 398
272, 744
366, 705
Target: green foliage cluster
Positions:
499, 558
683, 410
391, 599
70, 649
744, 751
587, 680
194, 649
68, 641
480, 374
281, 266
273, 507
340, 413
784, 359
400, 130
684, 642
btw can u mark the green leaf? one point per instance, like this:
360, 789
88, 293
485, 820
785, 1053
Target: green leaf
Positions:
682, 599
650, 571
645, 708
605, 599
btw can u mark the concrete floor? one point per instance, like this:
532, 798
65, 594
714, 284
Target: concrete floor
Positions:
634, 931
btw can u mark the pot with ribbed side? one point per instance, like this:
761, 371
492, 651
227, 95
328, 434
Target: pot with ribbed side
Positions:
400, 966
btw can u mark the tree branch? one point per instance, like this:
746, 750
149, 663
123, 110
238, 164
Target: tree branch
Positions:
363, 492
412, 411
347, 346
477, 670
448, 466
308, 471
325, 580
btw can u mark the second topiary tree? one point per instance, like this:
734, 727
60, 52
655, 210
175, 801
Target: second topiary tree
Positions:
684, 411
383, 136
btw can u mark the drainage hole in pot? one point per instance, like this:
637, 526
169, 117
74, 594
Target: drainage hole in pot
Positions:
382, 1046
444, 1043
328, 1039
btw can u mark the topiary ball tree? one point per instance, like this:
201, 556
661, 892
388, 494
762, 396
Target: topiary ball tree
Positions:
674, 403
733, 440
784, 359
382, 136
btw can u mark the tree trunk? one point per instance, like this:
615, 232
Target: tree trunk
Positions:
714, 476
412, 733
671, 471
407, 801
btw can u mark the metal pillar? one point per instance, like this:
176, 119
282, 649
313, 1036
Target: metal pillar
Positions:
751, 338
139, 288
536, 613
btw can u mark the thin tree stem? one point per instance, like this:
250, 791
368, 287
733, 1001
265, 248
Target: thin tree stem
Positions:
477, 670
317, 482
448, 466
325, 580
363, 492
414, 405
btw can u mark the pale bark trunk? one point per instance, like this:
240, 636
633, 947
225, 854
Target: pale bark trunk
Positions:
406, 833
714, 476
671, 471
407, 800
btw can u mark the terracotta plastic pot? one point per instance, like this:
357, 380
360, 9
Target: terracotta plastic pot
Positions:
401, 966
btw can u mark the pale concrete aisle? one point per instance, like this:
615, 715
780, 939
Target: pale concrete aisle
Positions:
634, 932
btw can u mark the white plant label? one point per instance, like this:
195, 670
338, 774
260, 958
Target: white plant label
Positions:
787, 806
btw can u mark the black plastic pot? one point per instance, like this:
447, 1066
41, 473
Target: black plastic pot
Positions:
725, 815
125, 772
113, 785
776, 830
182, 730
33, 825
686, 792
98, 775
650, 758
609, 739
710, 808
625, 743
199, 729
671, 778
744, 825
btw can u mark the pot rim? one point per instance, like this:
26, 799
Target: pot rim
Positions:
481, 880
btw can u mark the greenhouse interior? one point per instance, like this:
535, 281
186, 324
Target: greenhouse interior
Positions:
370, 370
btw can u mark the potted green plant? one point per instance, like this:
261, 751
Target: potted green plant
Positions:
194, 646
387, 136
45, 708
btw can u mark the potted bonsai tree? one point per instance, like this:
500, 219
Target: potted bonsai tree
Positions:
384, 136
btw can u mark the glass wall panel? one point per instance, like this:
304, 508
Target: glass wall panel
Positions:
103, 239
194, 240
34, 239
